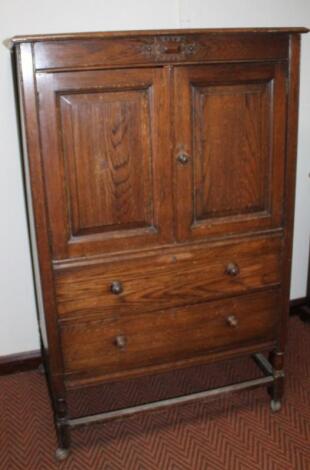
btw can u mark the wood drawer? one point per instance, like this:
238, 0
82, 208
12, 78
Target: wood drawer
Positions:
123, 343
179, 277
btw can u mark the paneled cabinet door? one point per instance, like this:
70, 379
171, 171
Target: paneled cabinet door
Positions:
105, 154
229, 148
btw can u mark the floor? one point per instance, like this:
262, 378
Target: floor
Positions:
237, 432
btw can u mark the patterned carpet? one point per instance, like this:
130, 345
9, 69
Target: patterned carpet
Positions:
237, 432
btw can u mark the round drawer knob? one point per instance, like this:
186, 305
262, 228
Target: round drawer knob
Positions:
116, 287
232, 269
183, 158
120, 341
232, 321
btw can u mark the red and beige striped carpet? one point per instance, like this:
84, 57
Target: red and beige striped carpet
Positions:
237, 432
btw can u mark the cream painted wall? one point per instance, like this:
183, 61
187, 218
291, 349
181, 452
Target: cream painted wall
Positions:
18, 330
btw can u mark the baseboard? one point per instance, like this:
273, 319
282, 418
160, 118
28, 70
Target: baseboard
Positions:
304, 312
20, 362
296, 304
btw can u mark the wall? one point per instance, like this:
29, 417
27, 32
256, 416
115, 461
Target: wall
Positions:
17, 316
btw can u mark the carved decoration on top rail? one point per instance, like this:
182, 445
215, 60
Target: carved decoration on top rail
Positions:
167, 48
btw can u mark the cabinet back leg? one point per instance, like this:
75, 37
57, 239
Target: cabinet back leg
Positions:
276, 390
62, 430
63, 437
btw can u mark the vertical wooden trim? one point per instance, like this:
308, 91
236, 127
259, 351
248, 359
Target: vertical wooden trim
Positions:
35, 196
290, 176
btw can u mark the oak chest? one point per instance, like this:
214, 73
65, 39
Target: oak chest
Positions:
160, 173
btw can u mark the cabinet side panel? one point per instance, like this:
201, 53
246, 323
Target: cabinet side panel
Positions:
290, 176
17, 77
36, 206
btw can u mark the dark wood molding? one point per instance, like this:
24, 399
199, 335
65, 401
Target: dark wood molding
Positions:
120, 34
20, 362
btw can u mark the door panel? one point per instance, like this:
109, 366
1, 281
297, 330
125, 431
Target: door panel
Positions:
101, 135
224, 185
230, 142
108, 160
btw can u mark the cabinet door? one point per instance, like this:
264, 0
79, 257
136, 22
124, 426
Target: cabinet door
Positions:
105, 153
229, 148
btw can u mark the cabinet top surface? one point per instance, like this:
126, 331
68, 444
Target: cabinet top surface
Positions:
114, 34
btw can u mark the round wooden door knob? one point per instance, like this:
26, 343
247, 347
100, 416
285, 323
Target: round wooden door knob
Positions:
232, 321
120, 341
183, 158
232, 269
116, 287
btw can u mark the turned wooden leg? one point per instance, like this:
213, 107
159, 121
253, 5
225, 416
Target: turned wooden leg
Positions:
62, 430
276, 390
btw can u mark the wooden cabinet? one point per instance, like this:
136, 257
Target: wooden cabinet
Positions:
160, 173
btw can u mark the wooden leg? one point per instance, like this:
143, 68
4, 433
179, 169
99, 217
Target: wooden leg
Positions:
276, 390
62, 430
41, 369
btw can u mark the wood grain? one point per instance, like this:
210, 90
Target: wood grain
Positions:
231, 149
107, 148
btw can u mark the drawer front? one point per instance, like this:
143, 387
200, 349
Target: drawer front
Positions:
177, 278
150, 49
125, 343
